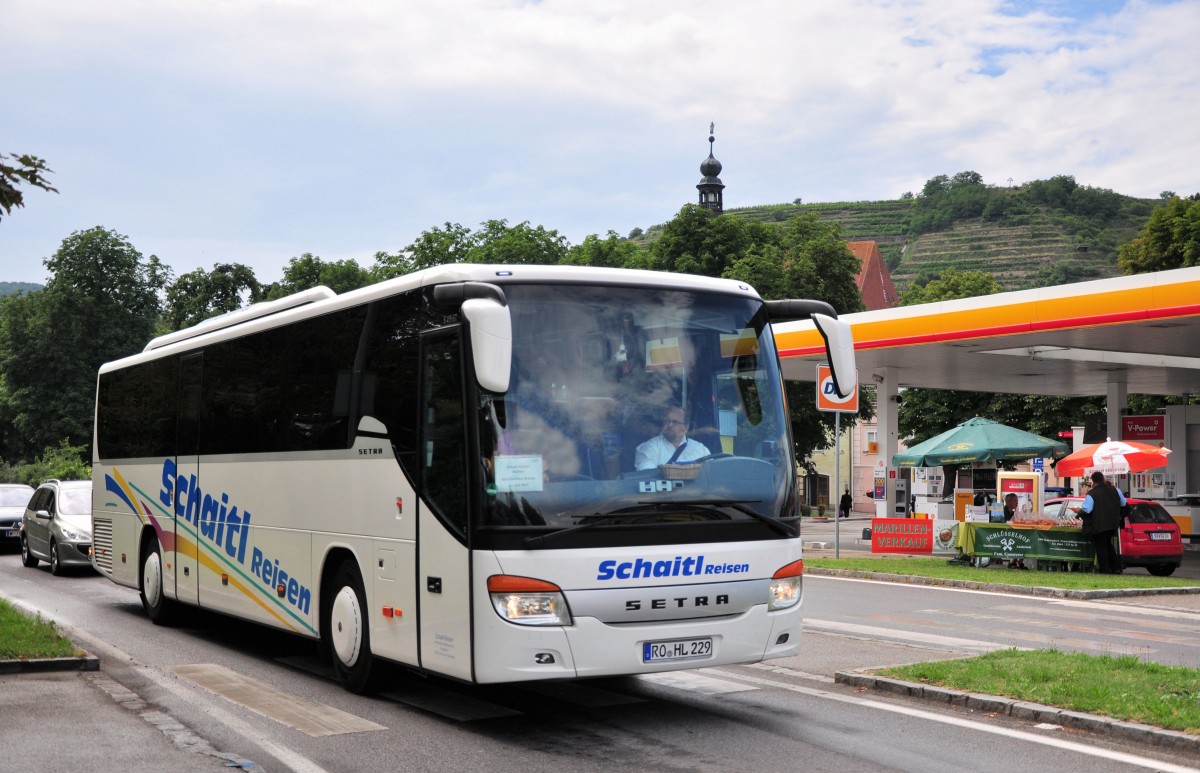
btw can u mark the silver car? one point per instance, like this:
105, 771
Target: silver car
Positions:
57, 525
13, 499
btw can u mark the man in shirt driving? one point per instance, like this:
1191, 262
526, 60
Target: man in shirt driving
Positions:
672, 445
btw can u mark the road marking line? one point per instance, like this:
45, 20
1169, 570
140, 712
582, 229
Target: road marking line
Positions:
315, 719
875, 632
1028, 620
297, 763
695, 682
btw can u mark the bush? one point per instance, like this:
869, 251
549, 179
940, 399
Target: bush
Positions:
65, 463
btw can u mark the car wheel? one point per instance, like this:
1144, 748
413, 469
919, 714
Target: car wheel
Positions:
345, 630
56, 568
1162, 570
27, 558
158, 607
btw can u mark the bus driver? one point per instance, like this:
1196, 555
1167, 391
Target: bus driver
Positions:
672, 445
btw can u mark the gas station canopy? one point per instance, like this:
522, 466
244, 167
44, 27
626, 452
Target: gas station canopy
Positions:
1141, 331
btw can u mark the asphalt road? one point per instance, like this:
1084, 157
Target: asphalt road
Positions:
259, 695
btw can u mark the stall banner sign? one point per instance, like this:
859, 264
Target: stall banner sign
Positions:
1028, 487
1144, 429
944, 534
1016, 486
902, 535
1032, 543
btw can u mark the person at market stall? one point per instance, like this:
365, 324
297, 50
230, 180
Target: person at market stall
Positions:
1010, 511
1101, 516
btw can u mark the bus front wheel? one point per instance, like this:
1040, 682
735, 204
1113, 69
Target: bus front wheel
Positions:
158, 607
345, 631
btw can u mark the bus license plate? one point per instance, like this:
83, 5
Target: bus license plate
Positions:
681, 649
1160, 536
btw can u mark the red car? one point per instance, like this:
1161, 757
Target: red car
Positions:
1150, 537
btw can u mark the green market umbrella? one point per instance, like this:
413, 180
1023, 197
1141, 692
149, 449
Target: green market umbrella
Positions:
978, 440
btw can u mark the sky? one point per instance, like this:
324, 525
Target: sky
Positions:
253, 131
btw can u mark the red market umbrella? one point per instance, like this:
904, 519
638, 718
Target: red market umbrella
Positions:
1112, 457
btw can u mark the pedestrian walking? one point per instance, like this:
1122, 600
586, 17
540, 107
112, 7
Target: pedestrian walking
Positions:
846, 504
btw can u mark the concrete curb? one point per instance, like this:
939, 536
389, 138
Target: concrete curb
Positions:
86, 662
1059, 593
1024, 710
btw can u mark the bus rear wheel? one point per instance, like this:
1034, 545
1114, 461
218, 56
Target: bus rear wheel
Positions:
345, 630
159, 608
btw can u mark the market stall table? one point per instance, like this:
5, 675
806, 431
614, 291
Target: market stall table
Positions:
1059, 546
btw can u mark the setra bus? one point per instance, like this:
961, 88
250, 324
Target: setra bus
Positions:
440, 471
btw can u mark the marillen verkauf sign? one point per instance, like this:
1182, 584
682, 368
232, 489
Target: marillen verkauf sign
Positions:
901, 535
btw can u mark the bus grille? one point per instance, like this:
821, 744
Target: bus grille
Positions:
102, 540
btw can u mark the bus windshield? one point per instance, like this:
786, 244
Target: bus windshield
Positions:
663, 408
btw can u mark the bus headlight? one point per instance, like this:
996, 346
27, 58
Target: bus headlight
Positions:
527, 601
787, 586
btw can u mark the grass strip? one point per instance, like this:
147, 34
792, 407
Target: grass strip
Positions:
24, 637
1120, 687
943, 569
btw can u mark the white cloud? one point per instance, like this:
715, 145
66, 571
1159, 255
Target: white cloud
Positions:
257, 130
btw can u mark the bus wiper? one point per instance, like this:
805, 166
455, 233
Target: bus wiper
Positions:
592, 520
589, 522
736, 504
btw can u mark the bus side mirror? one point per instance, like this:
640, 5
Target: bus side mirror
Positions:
839, 350
491, 342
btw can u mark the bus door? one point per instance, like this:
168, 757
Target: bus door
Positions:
443, 557
187, 468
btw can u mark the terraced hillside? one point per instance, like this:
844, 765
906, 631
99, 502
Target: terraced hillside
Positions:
885, 222
1013, 247
1012, 254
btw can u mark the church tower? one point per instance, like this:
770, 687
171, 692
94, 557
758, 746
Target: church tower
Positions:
710, 185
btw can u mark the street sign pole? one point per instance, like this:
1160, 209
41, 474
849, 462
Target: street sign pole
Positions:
837, 484
829, 400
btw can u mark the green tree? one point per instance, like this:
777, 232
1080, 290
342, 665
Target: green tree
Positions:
949, 285
1064, 272
495, 242
609, 252
65, 462
308, 271
808, 259
1170, 239
20, 169
435, 247
944, 200
500, 243
697, 241
198, 295
100, 303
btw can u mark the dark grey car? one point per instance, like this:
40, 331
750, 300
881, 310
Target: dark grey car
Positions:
57, 525
13, 499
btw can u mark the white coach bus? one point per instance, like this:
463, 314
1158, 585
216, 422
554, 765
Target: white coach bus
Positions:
442, 471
